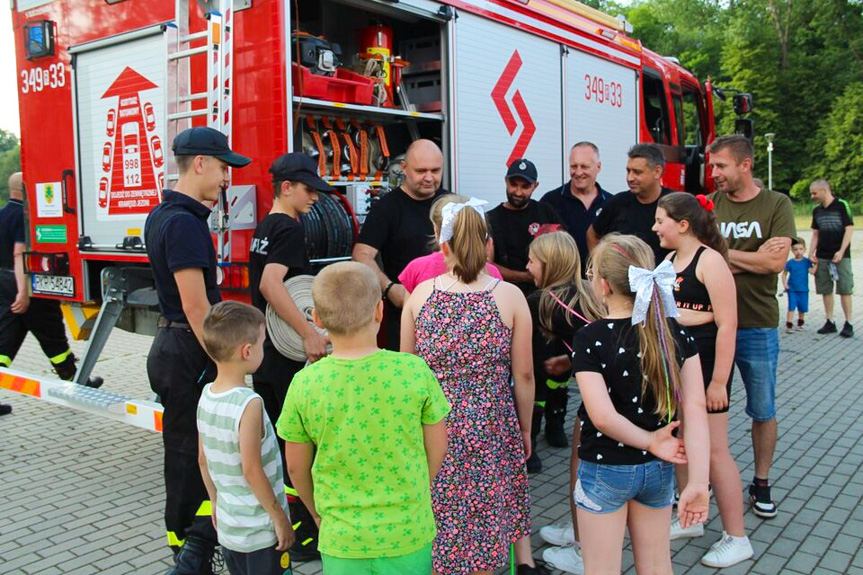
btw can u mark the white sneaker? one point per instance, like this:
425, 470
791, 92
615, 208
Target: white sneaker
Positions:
567, 559
559, 533
728, 551
680, 532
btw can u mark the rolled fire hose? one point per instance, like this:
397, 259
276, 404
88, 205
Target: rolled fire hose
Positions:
287, 341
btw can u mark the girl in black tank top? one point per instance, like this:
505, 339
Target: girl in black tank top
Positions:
706, 297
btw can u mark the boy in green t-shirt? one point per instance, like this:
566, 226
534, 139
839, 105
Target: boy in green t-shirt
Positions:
365, 435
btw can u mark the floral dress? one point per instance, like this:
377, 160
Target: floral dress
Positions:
480, 497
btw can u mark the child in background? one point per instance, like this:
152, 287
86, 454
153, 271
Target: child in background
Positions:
562, 305
795, 280
240, 460
635, 369
365, 434
433, 265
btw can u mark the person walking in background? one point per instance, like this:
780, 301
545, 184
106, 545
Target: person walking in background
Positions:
795, 281
759, 226
474, 332
637, 370
705, 296
832, 228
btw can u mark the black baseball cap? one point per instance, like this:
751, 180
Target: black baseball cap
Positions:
205, 141
523, 169
298, 167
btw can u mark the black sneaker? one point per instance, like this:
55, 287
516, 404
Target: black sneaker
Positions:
525, 569
847, 330
5, 409
759, 498
829, 327
533, 463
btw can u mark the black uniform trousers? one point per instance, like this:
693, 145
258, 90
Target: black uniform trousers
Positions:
43, 319
178, 369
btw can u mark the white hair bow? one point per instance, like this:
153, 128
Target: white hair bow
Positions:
451, 210
641, 281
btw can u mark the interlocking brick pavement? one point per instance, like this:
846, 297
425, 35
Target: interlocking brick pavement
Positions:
84, 495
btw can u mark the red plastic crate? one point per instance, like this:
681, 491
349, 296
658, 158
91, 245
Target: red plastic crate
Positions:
346, 86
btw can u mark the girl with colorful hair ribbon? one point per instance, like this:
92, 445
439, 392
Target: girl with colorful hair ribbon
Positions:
636, 369
706, 297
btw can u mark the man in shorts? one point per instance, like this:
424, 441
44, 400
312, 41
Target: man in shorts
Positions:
832, 228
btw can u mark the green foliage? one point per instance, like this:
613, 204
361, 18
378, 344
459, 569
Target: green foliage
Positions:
803, 63
10, 162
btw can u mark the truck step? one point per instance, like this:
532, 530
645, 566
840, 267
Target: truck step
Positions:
89, 397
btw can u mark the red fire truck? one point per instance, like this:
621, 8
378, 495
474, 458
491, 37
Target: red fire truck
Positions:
105, 85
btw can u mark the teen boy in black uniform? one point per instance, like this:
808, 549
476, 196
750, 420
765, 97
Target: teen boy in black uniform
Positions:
183, 260
278, 252
18, 313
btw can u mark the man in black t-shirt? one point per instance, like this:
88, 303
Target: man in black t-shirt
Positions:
832, 228
398, 228
183, 261
634, 212
515, 223
278, 252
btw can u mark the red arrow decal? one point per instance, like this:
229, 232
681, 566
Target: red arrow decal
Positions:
498, 94
527, 131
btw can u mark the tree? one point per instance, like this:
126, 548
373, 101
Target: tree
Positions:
10, 162
842, 133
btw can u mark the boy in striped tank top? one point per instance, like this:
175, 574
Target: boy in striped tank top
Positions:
238, 454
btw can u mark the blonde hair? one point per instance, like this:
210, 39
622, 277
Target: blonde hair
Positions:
345, 296
561, 269
467, 257
436, 216
229, 325
610, 261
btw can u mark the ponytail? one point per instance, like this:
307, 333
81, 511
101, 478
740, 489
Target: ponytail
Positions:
467, 246
702, 220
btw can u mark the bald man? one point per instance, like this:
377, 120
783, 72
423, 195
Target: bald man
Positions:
398, 228
18, 313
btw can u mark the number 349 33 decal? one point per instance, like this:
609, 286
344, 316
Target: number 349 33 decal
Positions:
603, 92
38, 79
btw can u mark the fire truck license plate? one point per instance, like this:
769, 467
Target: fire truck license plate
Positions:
54, 285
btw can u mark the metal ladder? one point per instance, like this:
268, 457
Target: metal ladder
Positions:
218, 47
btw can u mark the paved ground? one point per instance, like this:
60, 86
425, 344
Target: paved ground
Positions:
83, 495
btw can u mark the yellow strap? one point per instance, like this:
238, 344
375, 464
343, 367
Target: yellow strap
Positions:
205, 510
60, 358
5, 360
175, 541
551, 384
292, 491
307, 541
297, 525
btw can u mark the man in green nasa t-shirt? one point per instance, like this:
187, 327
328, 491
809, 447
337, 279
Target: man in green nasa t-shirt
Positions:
758, 225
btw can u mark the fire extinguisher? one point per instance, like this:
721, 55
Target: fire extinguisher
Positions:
376, 42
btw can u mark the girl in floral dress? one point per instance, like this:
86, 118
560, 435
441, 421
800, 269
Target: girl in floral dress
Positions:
474, 331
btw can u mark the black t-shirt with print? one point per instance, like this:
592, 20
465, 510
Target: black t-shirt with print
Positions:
513, 230
624, 214
278, 239
610, 347
831, 223
398, 226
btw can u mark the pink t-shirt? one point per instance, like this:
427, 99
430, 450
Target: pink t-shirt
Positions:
432, 265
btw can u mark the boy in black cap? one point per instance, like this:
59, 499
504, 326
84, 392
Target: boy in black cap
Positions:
183, 261
515, 223
278, 252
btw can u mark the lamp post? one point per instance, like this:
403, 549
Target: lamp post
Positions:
769, 137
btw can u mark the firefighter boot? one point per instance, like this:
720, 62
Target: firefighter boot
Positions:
534, 463
66, 370
194, 558
305, 547
555, 413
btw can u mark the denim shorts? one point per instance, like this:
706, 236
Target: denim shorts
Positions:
756, 357
606, 488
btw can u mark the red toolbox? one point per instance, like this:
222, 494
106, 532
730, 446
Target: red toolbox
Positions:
346, 86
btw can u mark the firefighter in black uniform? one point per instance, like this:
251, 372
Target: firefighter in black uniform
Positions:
20, 314
183, 261
278, 252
